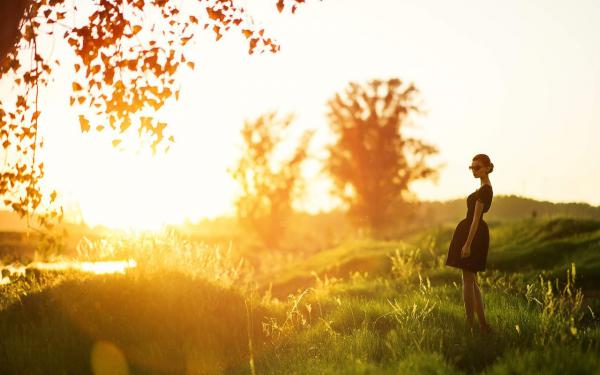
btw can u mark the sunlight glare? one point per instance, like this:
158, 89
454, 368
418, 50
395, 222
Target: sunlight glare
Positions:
98, 268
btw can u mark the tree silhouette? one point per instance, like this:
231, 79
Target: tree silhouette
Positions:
127, 55
372, 161
268, 186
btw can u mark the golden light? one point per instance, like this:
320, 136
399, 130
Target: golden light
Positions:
107, 359
98, 268
137, 190
127, 190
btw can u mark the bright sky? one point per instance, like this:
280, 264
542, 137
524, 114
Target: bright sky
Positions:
517, 80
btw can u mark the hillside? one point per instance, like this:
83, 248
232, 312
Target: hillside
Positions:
505, 207
528, 247
363, 307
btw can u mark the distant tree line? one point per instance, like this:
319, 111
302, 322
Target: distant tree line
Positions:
506, 207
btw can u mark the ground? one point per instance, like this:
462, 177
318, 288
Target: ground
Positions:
363, 307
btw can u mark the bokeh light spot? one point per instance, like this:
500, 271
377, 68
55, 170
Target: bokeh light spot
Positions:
107, 359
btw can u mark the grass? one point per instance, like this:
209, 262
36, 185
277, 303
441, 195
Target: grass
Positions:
161, 322
365, 307
527, 247
394, 324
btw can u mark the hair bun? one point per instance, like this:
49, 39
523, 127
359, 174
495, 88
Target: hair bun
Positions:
485, 160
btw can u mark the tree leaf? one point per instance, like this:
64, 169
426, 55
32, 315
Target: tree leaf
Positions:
84, 124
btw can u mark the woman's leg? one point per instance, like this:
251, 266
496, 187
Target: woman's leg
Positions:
468, 295
478, 303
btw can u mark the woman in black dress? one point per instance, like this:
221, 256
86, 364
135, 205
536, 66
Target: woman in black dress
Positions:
470, 241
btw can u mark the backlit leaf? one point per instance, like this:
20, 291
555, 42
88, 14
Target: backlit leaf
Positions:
84, 124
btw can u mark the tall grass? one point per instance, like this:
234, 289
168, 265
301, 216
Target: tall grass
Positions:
422, 329
186, 308
363, 308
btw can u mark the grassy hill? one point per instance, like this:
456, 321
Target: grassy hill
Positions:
528, 247
363, 307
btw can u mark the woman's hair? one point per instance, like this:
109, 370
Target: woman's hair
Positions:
483, 158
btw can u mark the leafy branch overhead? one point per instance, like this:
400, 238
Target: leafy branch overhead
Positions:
127, 56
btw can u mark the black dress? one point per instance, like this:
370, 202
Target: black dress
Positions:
479, 247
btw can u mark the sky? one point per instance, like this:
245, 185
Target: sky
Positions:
519, 81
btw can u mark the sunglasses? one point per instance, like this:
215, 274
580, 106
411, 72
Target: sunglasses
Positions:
475, 168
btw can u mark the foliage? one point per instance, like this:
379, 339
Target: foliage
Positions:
268, 187
562, 308
405, 263
295, 318
167, 251
127, 56
373, 161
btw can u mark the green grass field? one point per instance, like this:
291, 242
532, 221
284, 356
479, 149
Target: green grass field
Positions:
364, 307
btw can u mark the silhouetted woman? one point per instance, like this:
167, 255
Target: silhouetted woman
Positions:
470, 241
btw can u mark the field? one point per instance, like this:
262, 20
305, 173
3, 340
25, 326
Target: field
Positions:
363, 307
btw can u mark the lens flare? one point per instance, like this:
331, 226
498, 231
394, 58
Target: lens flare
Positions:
107, 359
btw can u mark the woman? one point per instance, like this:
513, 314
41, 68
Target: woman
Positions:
470, 241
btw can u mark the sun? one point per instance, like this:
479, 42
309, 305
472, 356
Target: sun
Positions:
136, 190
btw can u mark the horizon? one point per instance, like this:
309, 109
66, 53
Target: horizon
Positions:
20, 222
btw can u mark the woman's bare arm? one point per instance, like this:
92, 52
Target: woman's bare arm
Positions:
475, 223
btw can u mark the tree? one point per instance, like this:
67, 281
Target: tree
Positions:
127, 54
268, 186
372, 162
